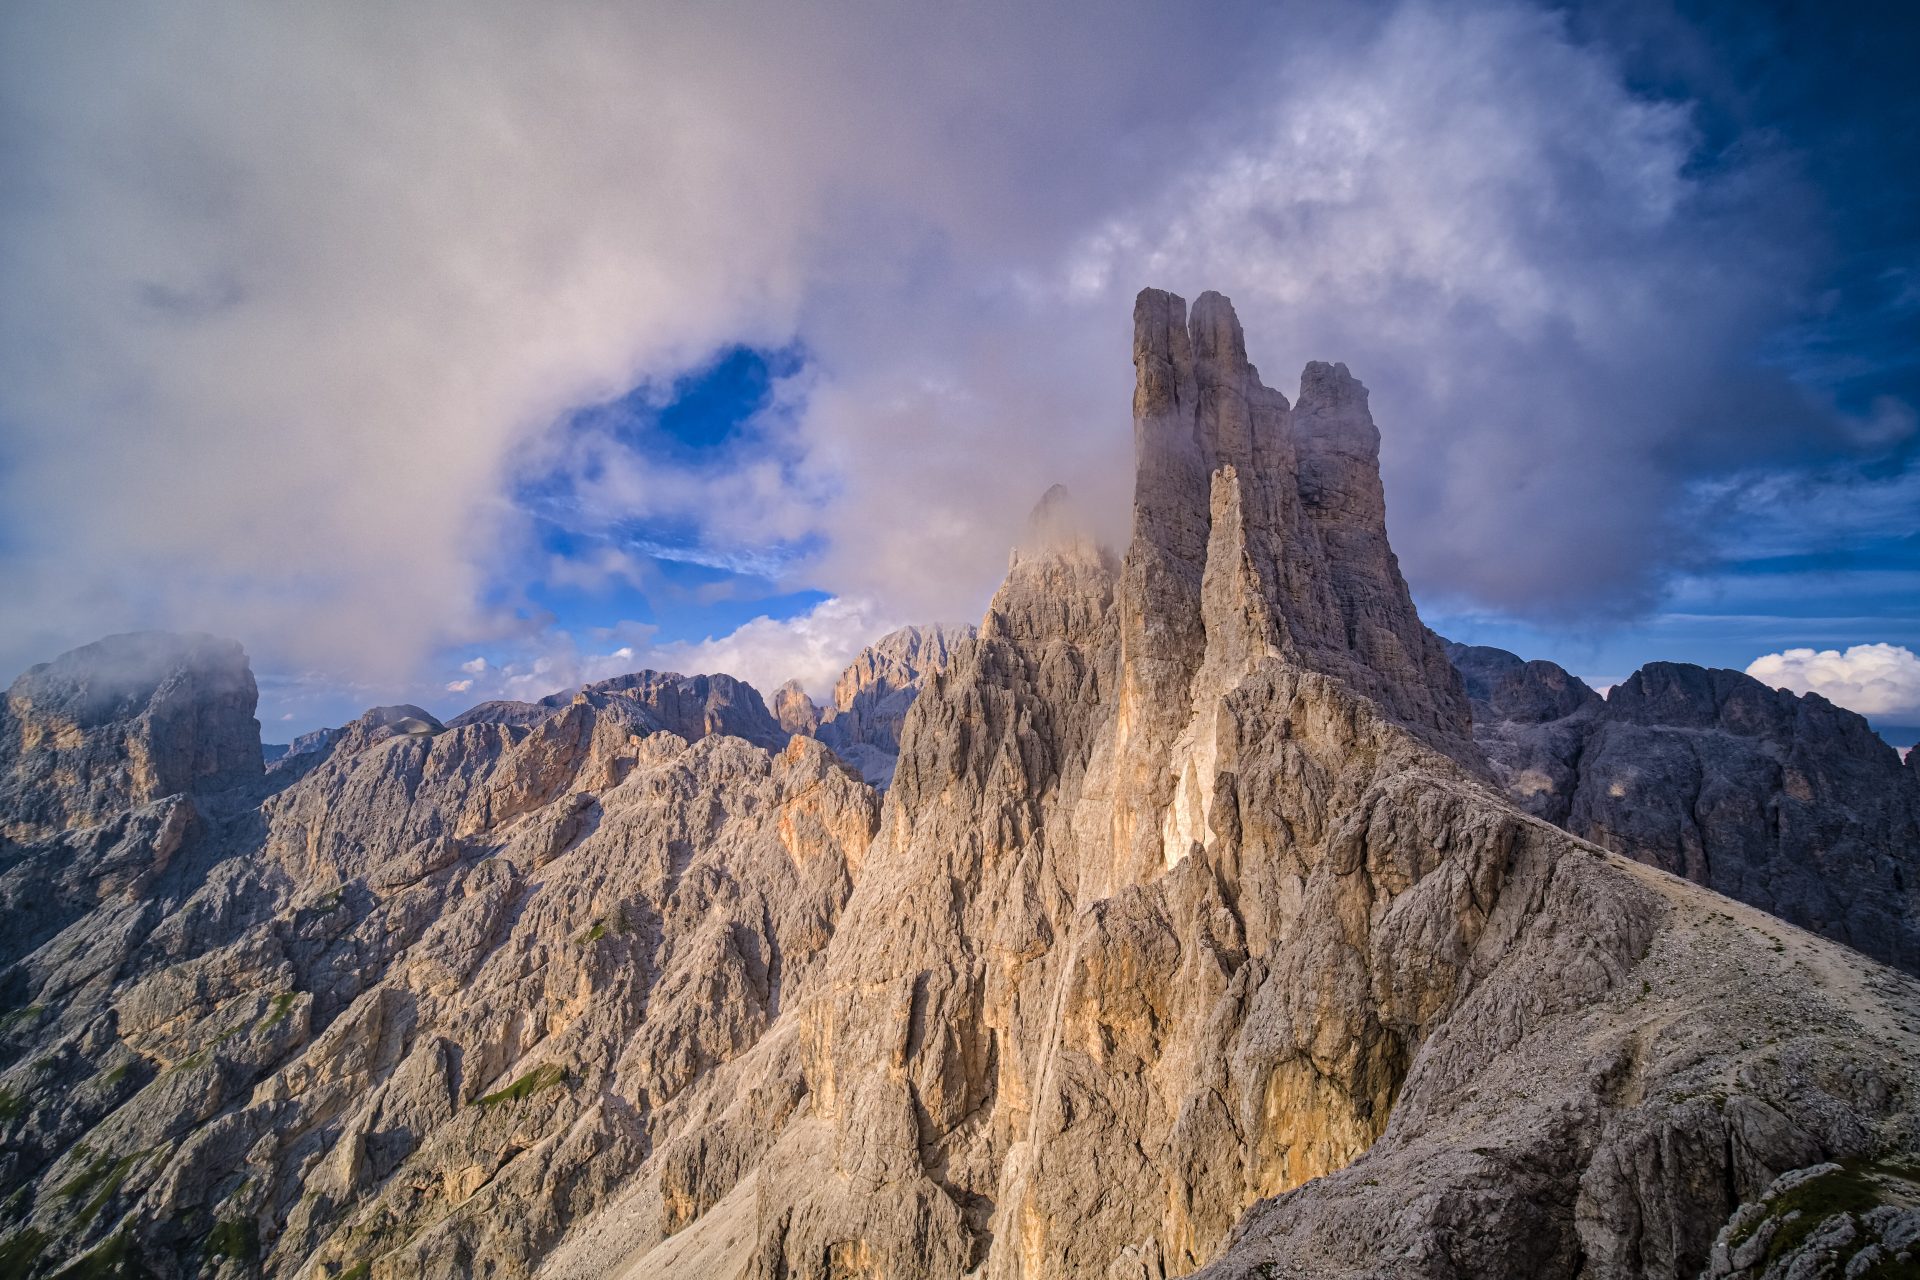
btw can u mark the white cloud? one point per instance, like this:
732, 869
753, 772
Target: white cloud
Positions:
297, 288
813, 648
1880, 680
298, 295
474, 666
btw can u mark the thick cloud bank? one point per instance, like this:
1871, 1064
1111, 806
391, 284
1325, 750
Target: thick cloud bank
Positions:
295, 293
1878, 680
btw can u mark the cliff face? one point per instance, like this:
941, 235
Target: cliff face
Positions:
863, 722
1188, 893
1191, 932
1786, 802
121, 723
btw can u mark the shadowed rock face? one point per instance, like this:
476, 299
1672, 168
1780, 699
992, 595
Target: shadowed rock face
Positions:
122, 723
1191, 932
1786, 802
862, 723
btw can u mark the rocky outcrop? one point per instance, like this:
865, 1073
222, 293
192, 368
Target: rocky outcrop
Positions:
1780, 800
794, 710
862, 724
1827, 1222
1192, 932
659, 701
314, 741
1168, 913
122, 723
441, 991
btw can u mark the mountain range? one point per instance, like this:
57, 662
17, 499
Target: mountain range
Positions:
1199, 912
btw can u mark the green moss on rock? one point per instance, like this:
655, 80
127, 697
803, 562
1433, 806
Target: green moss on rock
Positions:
542, 1077
236, 1238
280, 1011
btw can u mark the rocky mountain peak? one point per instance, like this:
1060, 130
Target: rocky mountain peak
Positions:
1187, 936
1055, 526
870, 700
123, 722
1309, 548
1781, 800
691, 706
1505, 687
794, 709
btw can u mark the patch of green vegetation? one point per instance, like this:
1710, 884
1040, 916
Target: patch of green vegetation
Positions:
594, 934
18, 1252
100, 1182
115, 1076
198, 1058
279, 1012
541, 1077
112, 1259
1891, 1269
15, 1017
1852, 1189
236, 1238
12, 1105
358, 1271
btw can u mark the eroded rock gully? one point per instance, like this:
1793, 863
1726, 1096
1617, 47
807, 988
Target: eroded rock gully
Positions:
1193, 932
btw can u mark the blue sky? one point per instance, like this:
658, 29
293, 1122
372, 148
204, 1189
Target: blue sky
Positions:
441, 370
684, 588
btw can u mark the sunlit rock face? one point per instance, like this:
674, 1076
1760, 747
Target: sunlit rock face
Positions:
1192, 931
1191, 889
793, 710
1781, 800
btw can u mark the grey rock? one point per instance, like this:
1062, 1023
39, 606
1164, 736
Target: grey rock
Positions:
121, 723
1826, 1222
1780, 800
862, 724
690, 706
1191, 933
794, 709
